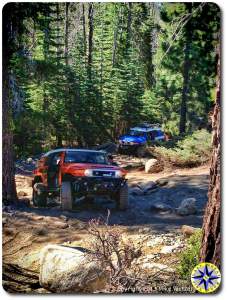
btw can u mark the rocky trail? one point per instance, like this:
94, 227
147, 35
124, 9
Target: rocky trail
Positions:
160, 204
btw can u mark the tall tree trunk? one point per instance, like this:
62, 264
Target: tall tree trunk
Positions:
115, 43
66, 51
186, 70
8, 176
46, 47
184, 97
58, 34
84, 32
211, 241
146, 45
129, 23
90, 38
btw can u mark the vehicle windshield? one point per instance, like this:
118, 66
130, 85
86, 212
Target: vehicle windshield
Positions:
137, 133
85, 157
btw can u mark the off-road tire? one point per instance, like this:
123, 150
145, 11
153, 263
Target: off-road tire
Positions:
89, 199
122, 197
141, 151
120, 150
39, 199
66, 195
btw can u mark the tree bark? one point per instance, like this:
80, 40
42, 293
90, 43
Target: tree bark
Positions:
186, 70
115, 43
129, 23
211, 241
84, 32
66, 51
9, 194
90, 38
183, 108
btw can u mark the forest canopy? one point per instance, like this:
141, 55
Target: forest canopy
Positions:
83, 73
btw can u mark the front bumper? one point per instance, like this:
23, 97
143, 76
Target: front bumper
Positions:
129, 147
97, 185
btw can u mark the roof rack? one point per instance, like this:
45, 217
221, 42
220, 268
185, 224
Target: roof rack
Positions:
148, 125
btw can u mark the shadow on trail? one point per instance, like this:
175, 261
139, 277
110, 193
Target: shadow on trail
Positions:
139, 213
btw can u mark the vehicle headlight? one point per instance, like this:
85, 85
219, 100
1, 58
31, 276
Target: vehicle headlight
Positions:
118, 173
88, 173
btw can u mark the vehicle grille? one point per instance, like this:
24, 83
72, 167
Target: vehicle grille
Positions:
103, 173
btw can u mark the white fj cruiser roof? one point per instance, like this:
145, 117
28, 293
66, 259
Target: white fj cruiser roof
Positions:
72, 150
146, 127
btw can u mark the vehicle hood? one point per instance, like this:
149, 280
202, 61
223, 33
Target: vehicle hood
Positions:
73, 166
132, 138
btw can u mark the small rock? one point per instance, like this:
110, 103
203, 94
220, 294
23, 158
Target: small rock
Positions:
144, 230
4, 221
187, 207
169, 249
150, 257
157, 267
188, 230
152, 166
61, 225
29, 160
136, 191
162, 181
64, 218
161, 207
37, 218
22, 193
41, 291
154, 241
149, 186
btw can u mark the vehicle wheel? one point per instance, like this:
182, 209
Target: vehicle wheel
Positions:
89, 199
120, 150
141, 151
66, 196
39, 198
122, 197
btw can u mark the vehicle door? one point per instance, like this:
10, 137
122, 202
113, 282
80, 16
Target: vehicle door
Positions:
42, 167
160, 135
152, 135
54, 169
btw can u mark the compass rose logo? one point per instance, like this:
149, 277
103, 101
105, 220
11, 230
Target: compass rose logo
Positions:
206, 278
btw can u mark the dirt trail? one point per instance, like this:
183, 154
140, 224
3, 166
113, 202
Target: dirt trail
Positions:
26, 229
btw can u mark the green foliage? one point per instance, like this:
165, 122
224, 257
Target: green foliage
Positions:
190, 257
66, 101
193, 150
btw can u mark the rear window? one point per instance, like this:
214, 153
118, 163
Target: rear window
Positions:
85, 157
137, 133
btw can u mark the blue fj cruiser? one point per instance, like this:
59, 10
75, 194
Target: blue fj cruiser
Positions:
138, 137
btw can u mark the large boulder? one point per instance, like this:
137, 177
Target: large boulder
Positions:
152, 166
187, 207
69, 270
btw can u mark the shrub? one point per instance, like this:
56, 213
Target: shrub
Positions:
115, 255
190, 257
191, 151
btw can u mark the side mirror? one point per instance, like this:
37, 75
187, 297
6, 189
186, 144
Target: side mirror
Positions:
111, 161
56, 162
110, 157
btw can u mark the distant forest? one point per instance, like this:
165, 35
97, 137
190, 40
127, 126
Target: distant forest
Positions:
83, 73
